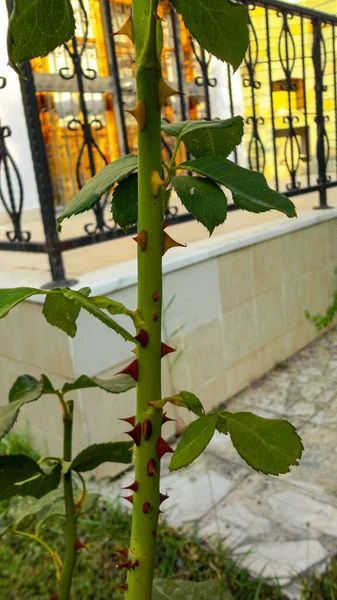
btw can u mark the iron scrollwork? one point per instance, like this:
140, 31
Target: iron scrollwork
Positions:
13, 199
204, 80
87, 125
256, 150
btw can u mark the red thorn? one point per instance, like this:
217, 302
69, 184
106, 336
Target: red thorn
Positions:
124, 552
147, 429
131, 369
123, 587
135, 433
79, 545
167, 419
162, 448
125, 565
155, 296
151, 467
165, 224
133, 487
141, 239
154, 533
154, 317
162, 498
142, 337
135, 564
146, 507
130, 420
54, 596
165, 349
128, 498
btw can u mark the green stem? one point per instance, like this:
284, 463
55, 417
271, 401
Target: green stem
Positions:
71, 522
36, 538
150, 219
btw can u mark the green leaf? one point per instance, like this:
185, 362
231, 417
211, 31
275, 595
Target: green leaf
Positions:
249, 188
20, 508
21, 476
61, 312
184, 399
193, 441
117, 308
175, 128
92, 192
124, 205
25, 389
175, 589
117, 385
95, 455
267, 445
89, 306
10, 297
204, 138
219, 26
203, 199
37, 27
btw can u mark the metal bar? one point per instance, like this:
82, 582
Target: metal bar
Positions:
319, 118
231, 103
34, 247
305, 102
270, 76
178, 57
296, 9
204, 69
113, 68
334, 68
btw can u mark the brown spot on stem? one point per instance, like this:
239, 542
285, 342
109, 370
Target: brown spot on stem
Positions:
155, 296
143, 338
151, 467
154, 317
146, 507
154, 533
147, 429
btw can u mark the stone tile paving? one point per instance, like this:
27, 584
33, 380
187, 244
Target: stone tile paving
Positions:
277, 526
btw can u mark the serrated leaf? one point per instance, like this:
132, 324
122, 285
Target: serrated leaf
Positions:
205, 138
21, 476
101, 183
249, 188
83, 302
219, 26
11, 297
203, 199
124, 205
25, 389
95, 455
37, 27
61, 312
193, 441
175, 589
184, 399
268, 445
117, 385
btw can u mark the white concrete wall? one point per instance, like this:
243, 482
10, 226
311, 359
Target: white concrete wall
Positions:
12, 115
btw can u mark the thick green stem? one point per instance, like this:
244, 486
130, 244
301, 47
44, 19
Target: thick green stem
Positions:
150, 220
71, 524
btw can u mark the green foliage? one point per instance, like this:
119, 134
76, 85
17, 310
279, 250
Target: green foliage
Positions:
95, 455
203, 199
323, 321
220, 26
267, 445
11, 297
188, 590
204, 138
124, 205
22, 476
92, 192
36, 27
19, 442
249, 188
194, 441
184, 399
61, 312
117, 385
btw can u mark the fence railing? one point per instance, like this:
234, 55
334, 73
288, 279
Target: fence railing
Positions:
75, 112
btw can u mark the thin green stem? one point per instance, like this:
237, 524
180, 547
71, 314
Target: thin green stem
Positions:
150, 220
36, 538
71, 521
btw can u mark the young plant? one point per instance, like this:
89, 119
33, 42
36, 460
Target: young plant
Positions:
142, 186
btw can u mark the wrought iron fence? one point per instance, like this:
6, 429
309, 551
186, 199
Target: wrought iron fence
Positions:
75, 102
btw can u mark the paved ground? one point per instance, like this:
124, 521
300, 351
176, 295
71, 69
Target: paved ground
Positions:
278, 526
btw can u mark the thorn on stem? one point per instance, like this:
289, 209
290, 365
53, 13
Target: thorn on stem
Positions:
154, 533
125, 565
165, 91
135, 564
167, 419
165, 349
162, 447
131, 370
126, 29
128, 498
79, 544
151, 467
156, 183
146, 507
169, 243
147, 430
154, 317
133, 487
139, 113
130, 420
124, 552
135, 433
162, 498
123, 587
155, 296
143, 338
141, 239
